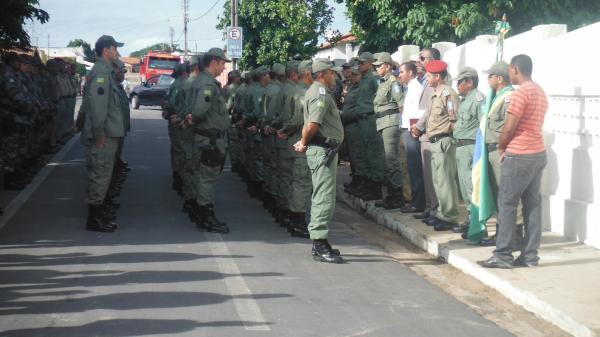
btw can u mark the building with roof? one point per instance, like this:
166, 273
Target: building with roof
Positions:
340, 51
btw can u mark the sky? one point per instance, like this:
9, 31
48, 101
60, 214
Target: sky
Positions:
139, 23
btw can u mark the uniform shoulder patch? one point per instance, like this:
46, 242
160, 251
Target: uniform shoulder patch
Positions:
100, 80
322, 91
479, 97
396, 87
207, 92
445, 93
507, 98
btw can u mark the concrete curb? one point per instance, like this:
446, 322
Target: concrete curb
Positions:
525, 299
21, 198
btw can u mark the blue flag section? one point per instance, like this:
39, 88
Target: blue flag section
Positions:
483, 205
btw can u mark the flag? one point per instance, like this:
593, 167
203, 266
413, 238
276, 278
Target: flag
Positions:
483, 205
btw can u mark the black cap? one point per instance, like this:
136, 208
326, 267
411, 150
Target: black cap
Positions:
106, 41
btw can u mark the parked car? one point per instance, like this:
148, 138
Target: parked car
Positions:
151, 92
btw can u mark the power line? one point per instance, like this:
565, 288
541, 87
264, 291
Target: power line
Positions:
207, 12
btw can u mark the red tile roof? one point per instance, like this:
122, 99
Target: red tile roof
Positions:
346, 38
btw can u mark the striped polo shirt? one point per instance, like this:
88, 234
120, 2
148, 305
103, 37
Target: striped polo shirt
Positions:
530, 104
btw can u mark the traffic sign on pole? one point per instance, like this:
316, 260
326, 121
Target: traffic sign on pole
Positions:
234, 42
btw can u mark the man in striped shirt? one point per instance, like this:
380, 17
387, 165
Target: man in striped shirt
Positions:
523, 157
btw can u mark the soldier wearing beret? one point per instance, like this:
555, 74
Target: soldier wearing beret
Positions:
388, 103
465, 133
103, 128
440, 125
322, 136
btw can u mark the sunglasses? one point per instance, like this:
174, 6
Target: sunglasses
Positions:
423, 58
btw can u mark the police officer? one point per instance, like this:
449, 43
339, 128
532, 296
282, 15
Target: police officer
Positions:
186, 136
465, 133
234, 83
440, 123
352, 137
298, 184
174, 100
388, 104
375, 159
210, 122
103, 128
322, 135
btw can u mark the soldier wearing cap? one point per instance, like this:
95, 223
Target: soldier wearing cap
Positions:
375, 158
285, 153
234, 81
388, 104
240, 110
440, 124
299, 186
186, 136
251, 102
322, 135
209, 121
353, 139
272, 104
499, 80
173, 107
465, 133
103, 128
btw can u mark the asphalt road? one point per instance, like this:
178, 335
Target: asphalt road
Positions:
158, 276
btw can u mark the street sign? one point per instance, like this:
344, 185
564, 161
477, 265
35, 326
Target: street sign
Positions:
234, 42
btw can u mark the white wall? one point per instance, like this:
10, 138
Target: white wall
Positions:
564, 65
342, 51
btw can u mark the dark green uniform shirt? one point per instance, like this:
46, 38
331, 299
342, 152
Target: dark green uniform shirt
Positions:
469, 115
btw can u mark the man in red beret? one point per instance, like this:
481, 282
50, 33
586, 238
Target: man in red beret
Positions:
440, 124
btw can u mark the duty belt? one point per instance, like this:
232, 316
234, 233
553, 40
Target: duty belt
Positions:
436, 138
210, 133
463, 142
387, 113
325, 142
362, 116
492, 147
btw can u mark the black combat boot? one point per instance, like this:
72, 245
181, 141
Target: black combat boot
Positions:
358, 189
285, 217
322, 252
394, 199
96, 222
208, 222
372, 192
108, 211
297, 226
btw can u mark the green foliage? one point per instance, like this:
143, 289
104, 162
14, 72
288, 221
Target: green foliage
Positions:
90, 55
276, 30
13, 14
385, 24
163, 46
80, 69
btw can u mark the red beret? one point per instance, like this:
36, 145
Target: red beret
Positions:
436, 66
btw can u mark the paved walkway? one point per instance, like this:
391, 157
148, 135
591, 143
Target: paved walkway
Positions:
158, 276
562, 290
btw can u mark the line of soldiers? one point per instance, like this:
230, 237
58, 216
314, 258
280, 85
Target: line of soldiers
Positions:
37, 101
104, 120
198, 122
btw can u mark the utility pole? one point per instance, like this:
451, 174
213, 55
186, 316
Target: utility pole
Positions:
186, 19
171, 33
234, 23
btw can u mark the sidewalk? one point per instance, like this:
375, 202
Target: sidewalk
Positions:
563, 290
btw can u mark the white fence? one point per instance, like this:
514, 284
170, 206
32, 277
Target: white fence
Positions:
565, 65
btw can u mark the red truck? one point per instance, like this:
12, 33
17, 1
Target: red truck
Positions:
158, 63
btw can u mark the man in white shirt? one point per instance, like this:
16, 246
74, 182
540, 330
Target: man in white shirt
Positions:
412, 113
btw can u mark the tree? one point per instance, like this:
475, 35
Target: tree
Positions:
13, 14
385, 24
162, 46
90, 55
275, 30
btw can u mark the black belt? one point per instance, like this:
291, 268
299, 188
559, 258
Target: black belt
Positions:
212, 133
436, 138
325, 142
492, 147
363, 116
387, 113
464, 142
